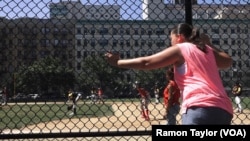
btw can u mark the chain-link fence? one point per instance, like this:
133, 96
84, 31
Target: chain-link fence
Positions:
50, 47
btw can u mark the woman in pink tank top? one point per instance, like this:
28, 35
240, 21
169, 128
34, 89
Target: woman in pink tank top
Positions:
196, 63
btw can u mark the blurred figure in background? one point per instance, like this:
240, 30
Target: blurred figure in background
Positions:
100, 95
237, 91
4, 95
145, 99
72, 99
171, 97
157, 92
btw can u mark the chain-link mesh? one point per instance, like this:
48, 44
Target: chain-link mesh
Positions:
49, 47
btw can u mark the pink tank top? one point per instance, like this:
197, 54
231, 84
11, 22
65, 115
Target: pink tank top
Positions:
201, 84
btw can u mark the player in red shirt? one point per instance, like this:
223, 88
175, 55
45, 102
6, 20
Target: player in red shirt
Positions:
145, 99
100, 95
171, 95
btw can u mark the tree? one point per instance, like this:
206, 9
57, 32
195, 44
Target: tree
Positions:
43, 76
98, 73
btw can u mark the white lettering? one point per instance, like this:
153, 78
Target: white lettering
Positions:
160, 132
204, 133
232, 132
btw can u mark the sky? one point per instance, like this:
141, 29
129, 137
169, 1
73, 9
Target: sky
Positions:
130, 9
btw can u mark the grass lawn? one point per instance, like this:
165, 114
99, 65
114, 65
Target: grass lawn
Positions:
18, 116
245, 102
21, 115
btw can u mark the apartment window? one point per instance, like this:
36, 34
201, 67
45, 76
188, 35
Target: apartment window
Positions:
150, 43
92, 42
233, 52
103, 31
85, 42
216, 30
78, 30
150, 32
159, 31
136, 31
238, 30
239, 52
143, 53
115, 42
239, 64
122, 54
56, 42
85, 31
115, 31
78, 54
234, 64
45, 30
136, 43
247, 63
103, 42
78, 42
216, 41
92, 31
225, 41
128, 54
232, 30
136, 54
70, 55
65, 43
233, 42
85, 54
160, 43
121, 42
143, 31
45, 42
122, 31
78, 66
143, 42
127, 43
128, 31
225, 31
150, 53
56, 31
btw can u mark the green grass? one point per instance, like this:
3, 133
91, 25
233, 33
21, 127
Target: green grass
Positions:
245, 102
18, 116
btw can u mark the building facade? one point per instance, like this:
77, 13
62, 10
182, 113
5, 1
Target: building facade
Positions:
76, 31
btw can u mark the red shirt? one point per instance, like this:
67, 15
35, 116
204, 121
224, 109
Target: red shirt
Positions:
99, 92
143, 92
175, 99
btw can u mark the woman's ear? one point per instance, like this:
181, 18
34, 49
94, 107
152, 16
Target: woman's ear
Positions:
180, 38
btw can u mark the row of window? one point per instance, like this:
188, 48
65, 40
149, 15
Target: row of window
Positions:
121, 31
124, 54
115, 43
150, 31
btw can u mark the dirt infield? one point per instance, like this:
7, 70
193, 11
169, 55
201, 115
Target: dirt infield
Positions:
126, 118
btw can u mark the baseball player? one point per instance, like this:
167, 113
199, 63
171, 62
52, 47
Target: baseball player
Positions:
73, 98
145, 100
237, 91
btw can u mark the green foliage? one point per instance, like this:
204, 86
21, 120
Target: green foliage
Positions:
97, 72
44, 75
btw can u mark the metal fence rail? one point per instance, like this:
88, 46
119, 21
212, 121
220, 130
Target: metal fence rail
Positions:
49, 47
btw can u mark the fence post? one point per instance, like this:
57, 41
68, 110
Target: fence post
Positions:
188, 11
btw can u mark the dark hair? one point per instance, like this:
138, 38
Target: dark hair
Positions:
191, 34
170, 73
